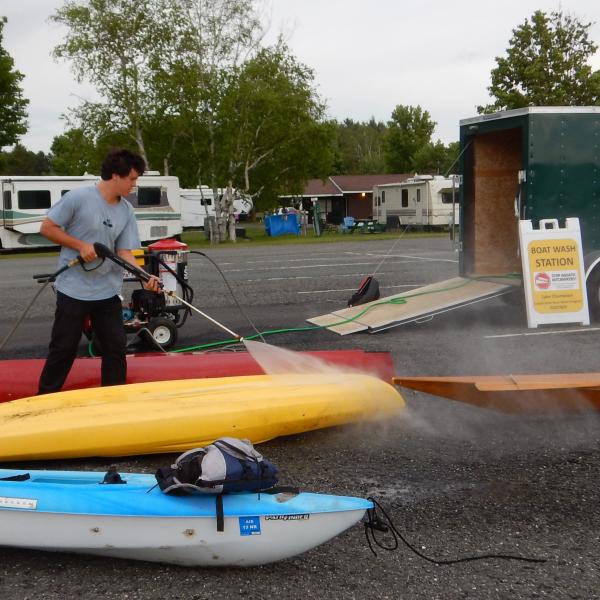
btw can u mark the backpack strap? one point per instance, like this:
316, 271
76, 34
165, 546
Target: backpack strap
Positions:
219, 513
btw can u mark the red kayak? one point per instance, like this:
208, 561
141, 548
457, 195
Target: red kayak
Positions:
19, 377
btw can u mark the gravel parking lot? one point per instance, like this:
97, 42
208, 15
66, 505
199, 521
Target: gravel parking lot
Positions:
457, 480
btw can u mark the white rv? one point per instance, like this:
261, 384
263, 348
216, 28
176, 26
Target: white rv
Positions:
24, 201
198, 203
424, 200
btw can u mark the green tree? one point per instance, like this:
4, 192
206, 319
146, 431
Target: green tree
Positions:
435, 158
120, 47
20, 161
546, 64
216, 38
409, 129
13, 114
272, 126
72, 153
360, 147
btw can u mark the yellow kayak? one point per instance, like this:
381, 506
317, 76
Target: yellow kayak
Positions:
173, 416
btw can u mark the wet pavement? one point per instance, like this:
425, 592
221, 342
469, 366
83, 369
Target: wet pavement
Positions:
457, 481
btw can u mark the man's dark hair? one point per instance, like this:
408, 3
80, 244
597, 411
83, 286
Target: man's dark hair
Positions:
120, 162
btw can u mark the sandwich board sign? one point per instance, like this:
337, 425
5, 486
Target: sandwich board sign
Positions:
553, 273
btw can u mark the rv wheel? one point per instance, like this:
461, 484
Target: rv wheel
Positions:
163, 331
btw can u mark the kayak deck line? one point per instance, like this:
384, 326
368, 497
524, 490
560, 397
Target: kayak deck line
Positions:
515, 394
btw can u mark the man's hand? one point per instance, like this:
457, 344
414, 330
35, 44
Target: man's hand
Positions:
87, 252
153, 284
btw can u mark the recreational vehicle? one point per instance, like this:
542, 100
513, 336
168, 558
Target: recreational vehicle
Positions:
24, 201
198, 203
424, 200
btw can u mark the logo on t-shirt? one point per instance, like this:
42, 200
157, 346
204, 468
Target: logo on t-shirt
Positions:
107, 222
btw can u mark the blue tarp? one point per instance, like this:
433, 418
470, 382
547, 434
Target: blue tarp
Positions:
282, 224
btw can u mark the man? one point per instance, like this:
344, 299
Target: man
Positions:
98, 213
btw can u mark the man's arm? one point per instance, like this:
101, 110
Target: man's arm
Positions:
153, 284
56, 234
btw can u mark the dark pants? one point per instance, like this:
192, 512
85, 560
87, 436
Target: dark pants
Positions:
107, 324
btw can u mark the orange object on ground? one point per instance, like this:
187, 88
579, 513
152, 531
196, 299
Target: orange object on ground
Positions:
520, 394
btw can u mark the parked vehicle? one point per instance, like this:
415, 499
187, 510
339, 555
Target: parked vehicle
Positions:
529, 164
198, 203
25, 200
423, 200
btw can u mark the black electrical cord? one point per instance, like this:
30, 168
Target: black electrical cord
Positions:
18, 322
45, 279
373, 522
240, 307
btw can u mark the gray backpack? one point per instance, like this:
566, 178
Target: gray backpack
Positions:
226, 465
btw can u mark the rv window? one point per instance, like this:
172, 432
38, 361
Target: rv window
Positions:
34, 199
418, 195
148, 196
404, 198
206, 201
383, 197
63, 192
447, 196
7, 200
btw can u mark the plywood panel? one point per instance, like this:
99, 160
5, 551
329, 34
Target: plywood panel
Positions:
496, 163
391, 311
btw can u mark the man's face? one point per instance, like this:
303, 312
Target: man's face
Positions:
124, 185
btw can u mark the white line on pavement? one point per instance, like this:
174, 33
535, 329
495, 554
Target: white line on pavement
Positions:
509, 335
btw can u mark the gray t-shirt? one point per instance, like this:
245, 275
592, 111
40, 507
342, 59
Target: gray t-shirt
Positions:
86, 215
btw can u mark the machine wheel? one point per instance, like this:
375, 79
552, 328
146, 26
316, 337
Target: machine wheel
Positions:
593, 294
164, 333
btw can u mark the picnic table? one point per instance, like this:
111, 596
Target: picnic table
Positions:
366, 226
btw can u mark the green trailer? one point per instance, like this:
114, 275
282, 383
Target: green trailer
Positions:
525, 164
530, 163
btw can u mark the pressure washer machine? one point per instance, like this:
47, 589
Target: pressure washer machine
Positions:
155, 318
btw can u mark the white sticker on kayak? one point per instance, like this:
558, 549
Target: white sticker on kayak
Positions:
249, 525
26, 503
287, 517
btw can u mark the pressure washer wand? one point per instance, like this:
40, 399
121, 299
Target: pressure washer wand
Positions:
235, 335
104, 252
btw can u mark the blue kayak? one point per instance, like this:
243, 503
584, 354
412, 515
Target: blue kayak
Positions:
74, 511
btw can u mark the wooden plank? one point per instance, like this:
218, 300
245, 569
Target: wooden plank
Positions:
521, 394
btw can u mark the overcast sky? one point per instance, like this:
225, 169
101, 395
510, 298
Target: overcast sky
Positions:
368, 55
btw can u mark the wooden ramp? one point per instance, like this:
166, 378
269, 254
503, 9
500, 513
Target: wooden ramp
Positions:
417, 304
519, 394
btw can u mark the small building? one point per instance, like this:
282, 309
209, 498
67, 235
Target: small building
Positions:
342, 196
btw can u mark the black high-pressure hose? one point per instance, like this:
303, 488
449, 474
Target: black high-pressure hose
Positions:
45, 279
240, 307
375, 523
